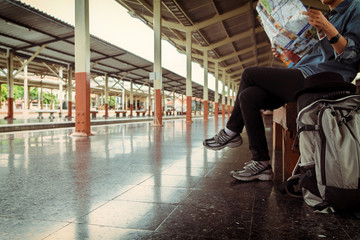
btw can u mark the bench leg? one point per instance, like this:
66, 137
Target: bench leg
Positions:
277, 136
40, 116
290, 156
51, 116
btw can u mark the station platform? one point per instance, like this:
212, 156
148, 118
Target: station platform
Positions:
131, 180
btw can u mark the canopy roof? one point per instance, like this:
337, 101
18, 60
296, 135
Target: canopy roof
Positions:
227, 30
24, 30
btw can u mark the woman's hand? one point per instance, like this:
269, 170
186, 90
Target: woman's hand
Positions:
275, 52
318, 20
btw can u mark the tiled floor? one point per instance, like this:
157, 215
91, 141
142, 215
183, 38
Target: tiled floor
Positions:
135, 181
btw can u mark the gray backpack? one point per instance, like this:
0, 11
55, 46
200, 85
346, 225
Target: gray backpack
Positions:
328, 171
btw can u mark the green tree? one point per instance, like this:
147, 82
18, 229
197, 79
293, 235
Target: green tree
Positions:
3, 92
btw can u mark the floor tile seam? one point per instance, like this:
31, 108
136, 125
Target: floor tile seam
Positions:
37, 219
150, 202
112, 226
252, 218
342, 228
134, 186
178, 205
49, 235
210, 170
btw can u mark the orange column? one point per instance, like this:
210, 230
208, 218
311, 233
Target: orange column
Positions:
157, 63
206, 111
82, 68
158, 108
188, 109
223, 111
216, 110
82, 99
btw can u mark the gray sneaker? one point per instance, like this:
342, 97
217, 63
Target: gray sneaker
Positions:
221, 140
253, 170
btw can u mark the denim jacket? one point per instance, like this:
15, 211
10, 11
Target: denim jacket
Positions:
322, 57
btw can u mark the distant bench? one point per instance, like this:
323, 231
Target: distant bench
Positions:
118, 112
93, 113
51, 112
180, 113
140, 112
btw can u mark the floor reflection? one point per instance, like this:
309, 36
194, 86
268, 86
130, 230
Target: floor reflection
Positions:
136, 181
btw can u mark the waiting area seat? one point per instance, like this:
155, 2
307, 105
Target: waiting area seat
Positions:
93, 113
284, 137
122, 112
140, 112
50, 112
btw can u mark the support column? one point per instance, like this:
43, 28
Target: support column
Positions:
149, 102
188, 77
10, 86
182, 104
123, 102
229, 97
174, 107
39, 98
82, 68
69, 93
106, 96
216, 90
0, 98
205, 91
131, 98
223, 95
157, 63
26, 91
61, 90
233, 96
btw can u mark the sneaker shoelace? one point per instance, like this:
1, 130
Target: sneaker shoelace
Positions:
255, 166
222, 137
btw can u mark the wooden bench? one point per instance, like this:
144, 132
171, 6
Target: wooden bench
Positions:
118, 112
284, 133
51, 112
140, 112
93, 113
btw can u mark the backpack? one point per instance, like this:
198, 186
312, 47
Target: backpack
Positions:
327, 175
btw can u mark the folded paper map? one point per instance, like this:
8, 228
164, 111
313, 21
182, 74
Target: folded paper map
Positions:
287, 28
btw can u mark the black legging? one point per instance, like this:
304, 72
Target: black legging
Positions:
262, 88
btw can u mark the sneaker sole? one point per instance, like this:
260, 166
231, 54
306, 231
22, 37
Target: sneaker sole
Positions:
230, 145
261, 177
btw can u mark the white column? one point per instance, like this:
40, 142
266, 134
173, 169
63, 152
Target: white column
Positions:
123, 100
223, 88
26, 89
157, 62
188, 77
217, 82
61, 89
229, 88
